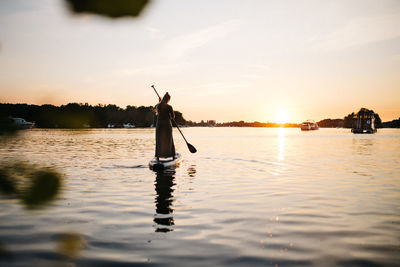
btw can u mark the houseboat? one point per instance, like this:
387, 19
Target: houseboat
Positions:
364, 122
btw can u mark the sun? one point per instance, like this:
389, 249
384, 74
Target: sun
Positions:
281, 116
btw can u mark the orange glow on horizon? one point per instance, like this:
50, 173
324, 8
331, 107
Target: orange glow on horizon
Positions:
281, 116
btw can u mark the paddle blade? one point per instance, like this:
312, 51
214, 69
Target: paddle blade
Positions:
191, 148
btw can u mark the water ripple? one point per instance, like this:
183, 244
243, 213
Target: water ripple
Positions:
249, 197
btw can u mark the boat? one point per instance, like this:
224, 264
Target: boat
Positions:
309, 126
128, 125
364, 122
20, 123
165, 163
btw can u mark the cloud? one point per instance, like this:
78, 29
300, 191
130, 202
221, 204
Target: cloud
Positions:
181, 45
360, 32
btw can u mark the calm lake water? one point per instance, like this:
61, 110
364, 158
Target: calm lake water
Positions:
248, 197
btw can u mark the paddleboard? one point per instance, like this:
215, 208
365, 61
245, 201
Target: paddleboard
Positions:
162, 164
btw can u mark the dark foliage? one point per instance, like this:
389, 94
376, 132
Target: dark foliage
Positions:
76, 115
34, 186
391, 124
6, 126
348, 121
107, 8
45, 187
331, 123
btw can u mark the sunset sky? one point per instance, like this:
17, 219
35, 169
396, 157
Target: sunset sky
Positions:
222, 60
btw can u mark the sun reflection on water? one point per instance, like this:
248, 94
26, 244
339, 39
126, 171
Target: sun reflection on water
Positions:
281, 144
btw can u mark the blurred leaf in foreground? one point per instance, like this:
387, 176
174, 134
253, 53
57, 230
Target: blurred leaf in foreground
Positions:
44, 188
7, 185
34, 186
108, 8
70, 244
4, 252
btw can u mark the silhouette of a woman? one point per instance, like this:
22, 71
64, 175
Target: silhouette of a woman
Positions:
164, 141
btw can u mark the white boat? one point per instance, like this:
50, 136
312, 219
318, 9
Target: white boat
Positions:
128, 125
165, 163
309, 126
20, 123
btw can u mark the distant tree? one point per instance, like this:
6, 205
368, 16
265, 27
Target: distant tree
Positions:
329, 123
179, 118
378, 121
391, 124
348, 121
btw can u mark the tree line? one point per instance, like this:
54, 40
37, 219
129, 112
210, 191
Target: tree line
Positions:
346, 122
78, 115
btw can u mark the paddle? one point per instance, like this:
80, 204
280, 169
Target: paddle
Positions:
191, 148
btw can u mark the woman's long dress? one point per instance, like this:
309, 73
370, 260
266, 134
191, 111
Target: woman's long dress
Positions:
164, 141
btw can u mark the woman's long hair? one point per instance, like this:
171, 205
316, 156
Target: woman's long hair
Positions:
165, 98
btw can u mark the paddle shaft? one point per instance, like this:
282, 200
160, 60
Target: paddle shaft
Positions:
179, 130
156, 91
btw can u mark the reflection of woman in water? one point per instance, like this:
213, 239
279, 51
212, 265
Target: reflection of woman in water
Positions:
164, 142
164, 188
